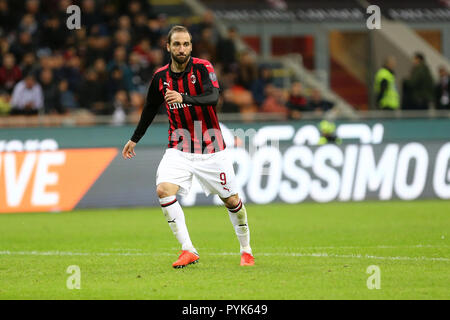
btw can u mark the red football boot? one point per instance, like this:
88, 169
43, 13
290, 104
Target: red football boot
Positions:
186, 258
247, 259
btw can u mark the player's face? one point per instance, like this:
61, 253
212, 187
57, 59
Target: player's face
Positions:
180, 47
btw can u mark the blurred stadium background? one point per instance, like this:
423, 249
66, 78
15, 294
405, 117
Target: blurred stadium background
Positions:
299, 72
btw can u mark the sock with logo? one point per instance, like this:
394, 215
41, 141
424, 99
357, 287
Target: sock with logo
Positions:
238, 217
175, 217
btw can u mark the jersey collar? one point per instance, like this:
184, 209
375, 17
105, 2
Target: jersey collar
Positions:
177, 75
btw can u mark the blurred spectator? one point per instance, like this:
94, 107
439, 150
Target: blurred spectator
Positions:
120, 62
91, 94
141, 29
385, 89
50, 92
97, 46
80, 40
124, 23
275, 101
121, 106
5, 106
155, 31
7, 17
208, 21
164, 25
418, 89
226, 103
443, 90
67, 98
144, 50
162, 47
141, 74
137, 7
109, 15
317, 103
122, 38
29, 63
101, 70
22, 45
137, 103
90, 17
258, 86
53, 34
32, 7
226, 51
241, 97
297, 102
116, 82
4, 46
10, 73
28, 24
27, 97
157, 59
205, 45
247, 70
71, 71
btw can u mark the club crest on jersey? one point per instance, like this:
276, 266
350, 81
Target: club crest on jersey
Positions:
193, 79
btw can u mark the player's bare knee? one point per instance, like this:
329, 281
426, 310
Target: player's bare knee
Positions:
165, 190
232, 201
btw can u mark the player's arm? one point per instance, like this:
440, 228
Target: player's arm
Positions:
153, 101
207, 98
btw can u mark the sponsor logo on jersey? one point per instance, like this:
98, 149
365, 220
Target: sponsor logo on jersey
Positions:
178, 105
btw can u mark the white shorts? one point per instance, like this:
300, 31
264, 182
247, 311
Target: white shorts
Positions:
214, 172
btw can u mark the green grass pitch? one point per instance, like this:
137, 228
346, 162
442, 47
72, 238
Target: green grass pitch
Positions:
303, 251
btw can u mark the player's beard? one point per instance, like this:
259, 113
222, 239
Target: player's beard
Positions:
180, 59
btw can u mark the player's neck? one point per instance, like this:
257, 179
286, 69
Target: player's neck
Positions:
178, 67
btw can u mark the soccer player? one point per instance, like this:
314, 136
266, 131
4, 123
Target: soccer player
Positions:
189, 89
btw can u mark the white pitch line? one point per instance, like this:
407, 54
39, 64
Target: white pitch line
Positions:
293, 254
378, 247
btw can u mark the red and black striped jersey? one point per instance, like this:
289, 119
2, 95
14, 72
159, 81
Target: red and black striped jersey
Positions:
193, 124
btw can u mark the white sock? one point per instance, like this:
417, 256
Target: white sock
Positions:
238, 217
175, 217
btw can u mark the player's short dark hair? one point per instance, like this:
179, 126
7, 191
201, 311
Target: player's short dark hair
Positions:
177, 29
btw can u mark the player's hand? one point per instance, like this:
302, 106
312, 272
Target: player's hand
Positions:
173, 97
128, 150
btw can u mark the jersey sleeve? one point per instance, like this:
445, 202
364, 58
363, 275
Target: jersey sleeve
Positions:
208, 75
153, 101
208, 98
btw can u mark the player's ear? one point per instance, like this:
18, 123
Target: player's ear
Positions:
168, 47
